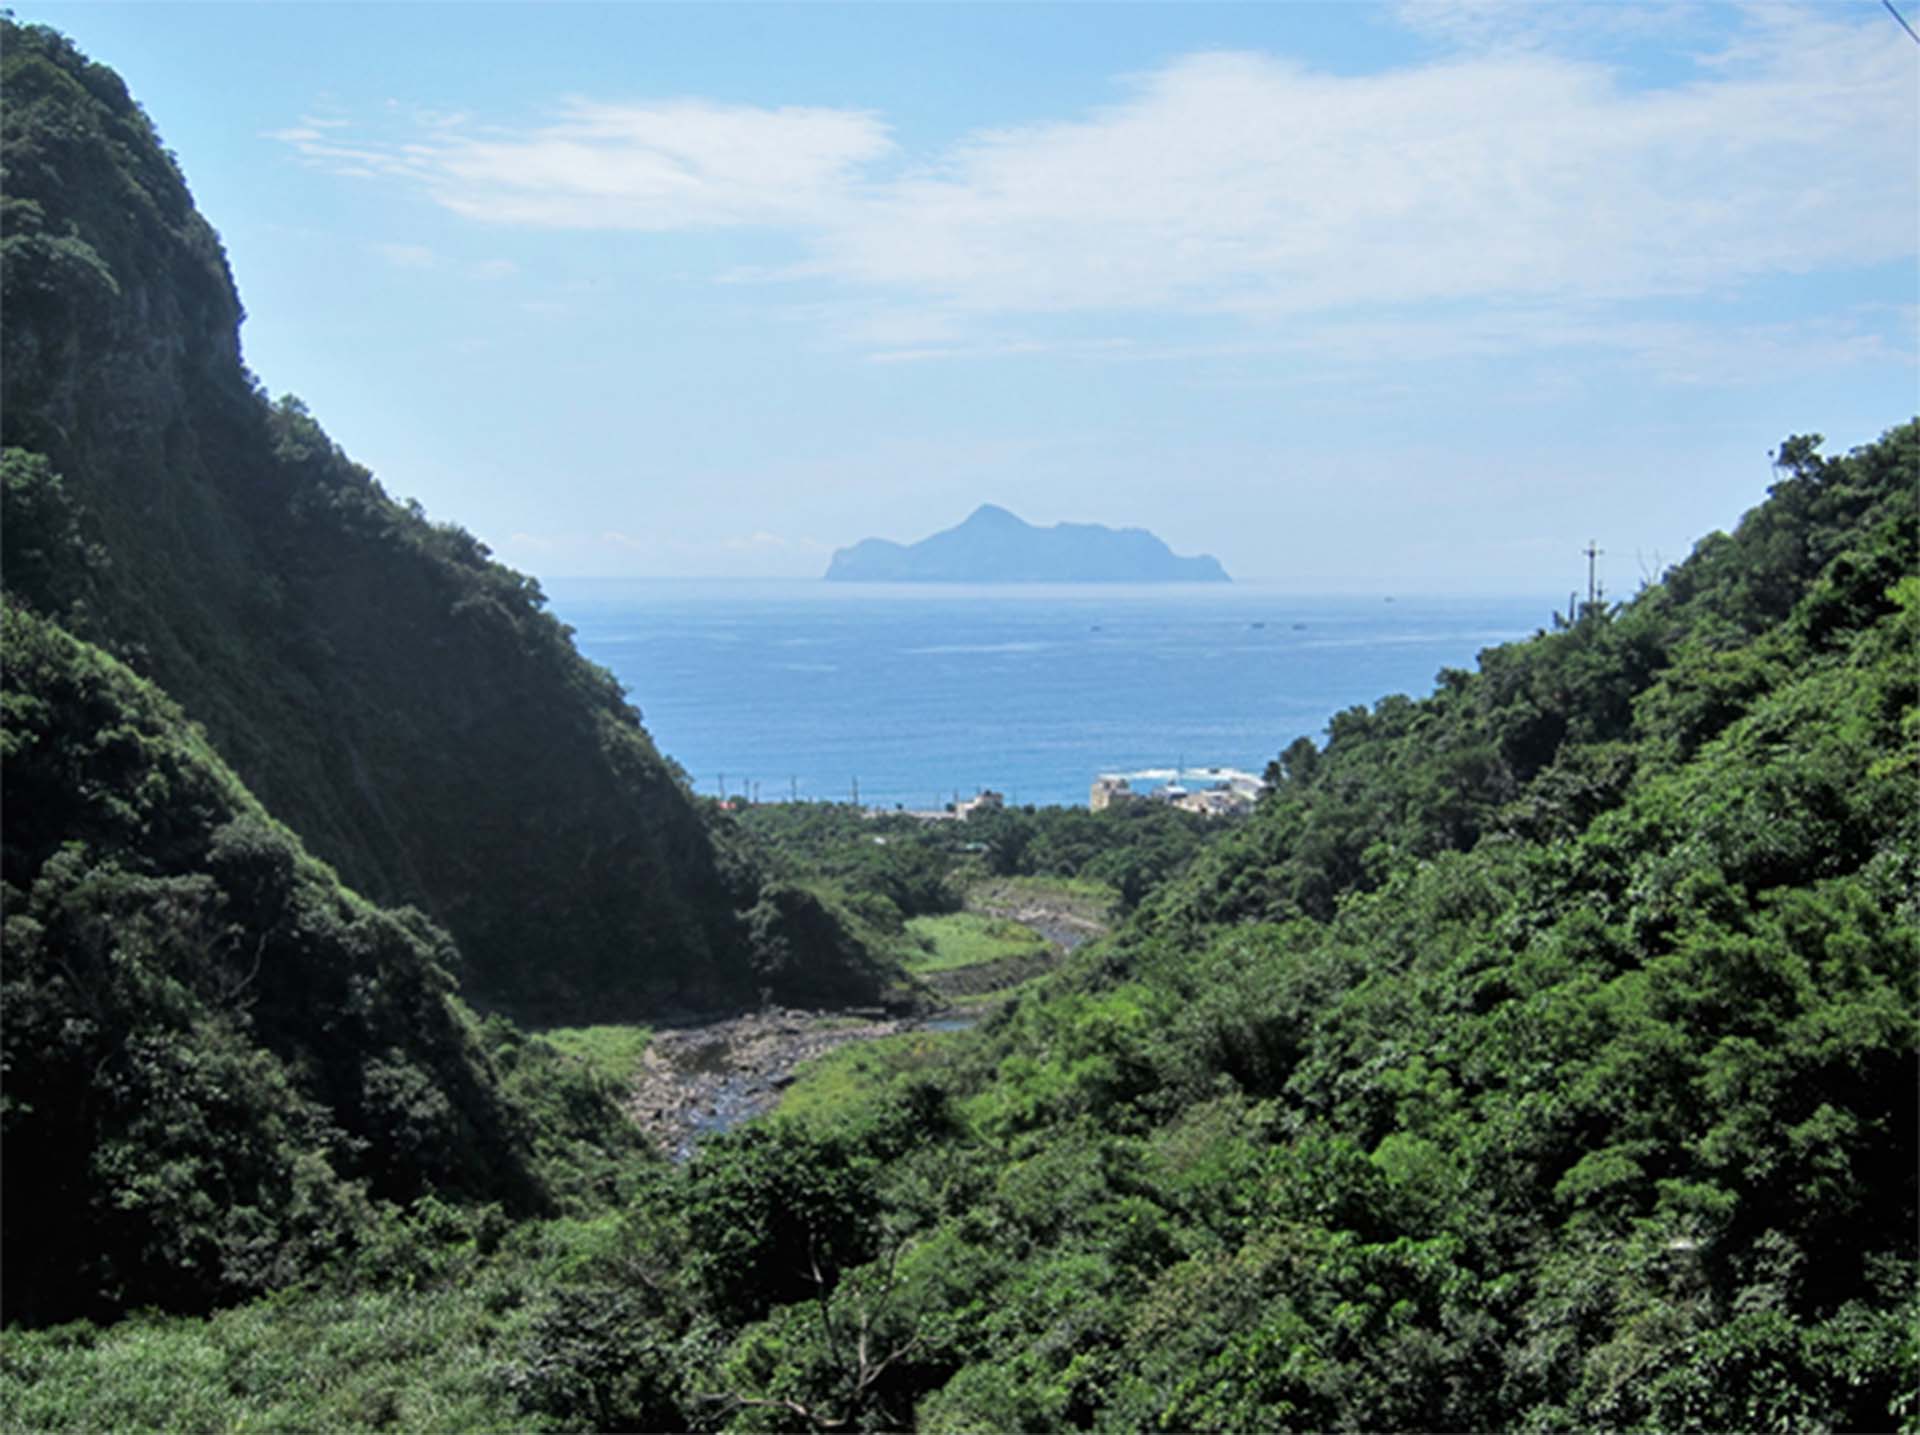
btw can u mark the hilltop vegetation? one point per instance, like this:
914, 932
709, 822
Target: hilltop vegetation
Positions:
231, 1061
222, 1066
1578, 1092
1541, 1054
398, 699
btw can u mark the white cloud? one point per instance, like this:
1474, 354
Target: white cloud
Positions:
1251, 193
1530, 24
675, 164
1242, 184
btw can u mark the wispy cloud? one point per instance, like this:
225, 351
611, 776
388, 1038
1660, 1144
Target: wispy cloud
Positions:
676, 164
1529, 24
1249, 191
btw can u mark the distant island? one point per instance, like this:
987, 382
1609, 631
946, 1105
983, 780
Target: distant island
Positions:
995, 546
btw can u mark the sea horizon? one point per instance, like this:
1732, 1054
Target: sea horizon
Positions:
923, 694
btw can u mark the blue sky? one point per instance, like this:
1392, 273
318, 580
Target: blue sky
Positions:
1417, 296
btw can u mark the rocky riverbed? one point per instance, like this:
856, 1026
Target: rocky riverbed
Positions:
696, 1080
703, 1078
1064, 918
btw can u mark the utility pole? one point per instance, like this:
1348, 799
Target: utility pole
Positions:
856, 792
723, 787
793, 788
1593, 589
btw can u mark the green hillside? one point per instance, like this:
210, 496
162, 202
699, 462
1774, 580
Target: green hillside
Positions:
403, 703
1540, 1055
1580, 1094
219, 1063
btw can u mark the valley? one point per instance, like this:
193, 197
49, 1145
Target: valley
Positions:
393, 1036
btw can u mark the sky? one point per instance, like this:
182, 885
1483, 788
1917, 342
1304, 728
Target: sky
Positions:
1424, 296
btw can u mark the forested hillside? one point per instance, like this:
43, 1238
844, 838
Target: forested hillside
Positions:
403, 703
218, 1062
1541, 1054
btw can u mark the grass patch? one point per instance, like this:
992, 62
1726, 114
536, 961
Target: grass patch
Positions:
981, 1005
967, 939
832, 1087
430, 1351
398, 1361
611, 1052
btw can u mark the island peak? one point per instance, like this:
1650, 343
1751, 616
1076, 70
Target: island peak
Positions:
995, 545
993, 513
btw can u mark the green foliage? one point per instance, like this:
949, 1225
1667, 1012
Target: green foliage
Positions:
401, 701
967, 939
844, 1088
803, 946
774, 1215
44, 553
597, 1358
1542, 1053
437, 1342
217, 1060
611, 1053
897, 867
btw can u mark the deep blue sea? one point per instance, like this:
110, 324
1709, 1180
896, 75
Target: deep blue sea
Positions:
920, 692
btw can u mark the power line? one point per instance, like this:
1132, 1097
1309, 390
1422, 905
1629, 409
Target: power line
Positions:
1903, 24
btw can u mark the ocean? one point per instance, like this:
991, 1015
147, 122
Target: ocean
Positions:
916, 693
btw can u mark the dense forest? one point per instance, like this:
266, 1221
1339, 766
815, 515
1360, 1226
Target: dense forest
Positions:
218, 1048
401, 701
1540, 1054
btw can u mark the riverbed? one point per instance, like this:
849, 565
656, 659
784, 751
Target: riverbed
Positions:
704, 1078
698, 1080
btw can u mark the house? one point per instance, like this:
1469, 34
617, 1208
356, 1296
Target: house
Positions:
987, 801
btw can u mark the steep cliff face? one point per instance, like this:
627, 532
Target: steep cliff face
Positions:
402, 702
115, 284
